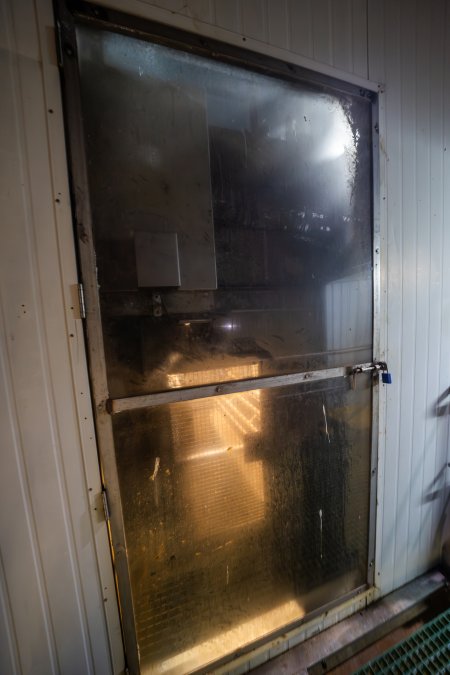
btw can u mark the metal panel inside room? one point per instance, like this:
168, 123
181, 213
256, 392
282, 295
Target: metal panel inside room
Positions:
231, 215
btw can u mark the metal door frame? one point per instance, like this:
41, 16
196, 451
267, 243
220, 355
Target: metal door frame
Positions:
104, 407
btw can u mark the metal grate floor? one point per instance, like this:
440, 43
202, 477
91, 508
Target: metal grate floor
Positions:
425, 651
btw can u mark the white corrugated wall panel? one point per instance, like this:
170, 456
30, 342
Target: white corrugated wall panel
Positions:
440, 281
9, 648
278, 24
299, 31
409, 52
332, 32
254, 19
227, 15
51, 594
436, 479
300, 27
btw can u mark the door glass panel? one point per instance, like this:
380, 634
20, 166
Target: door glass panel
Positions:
243, 513
232, 229
232, 217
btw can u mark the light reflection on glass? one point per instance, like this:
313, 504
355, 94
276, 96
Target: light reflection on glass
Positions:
199, 377
272, 208
213, 649
223, 491
243, 512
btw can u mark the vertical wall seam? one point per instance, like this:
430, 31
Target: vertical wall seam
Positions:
367, 40
409, 309
240, 18
445, 73
432, 224
330, 34
311, 30
429, 409
266, 21
416, 294
352, 33
393, 234
10, 624
288, 21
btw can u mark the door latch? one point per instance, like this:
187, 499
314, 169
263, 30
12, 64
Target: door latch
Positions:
376, 367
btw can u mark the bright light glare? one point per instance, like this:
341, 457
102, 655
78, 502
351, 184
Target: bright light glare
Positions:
226, 642
337, 140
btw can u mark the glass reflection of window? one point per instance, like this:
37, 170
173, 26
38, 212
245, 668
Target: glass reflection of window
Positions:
199, 377
288, 611
223, 488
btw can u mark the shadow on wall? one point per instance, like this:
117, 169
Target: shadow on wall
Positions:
439, 488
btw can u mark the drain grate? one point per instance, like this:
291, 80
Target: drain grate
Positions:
425, 651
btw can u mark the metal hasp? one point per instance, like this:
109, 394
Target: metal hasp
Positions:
376, 367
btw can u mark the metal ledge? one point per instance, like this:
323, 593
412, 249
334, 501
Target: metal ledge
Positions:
343, 640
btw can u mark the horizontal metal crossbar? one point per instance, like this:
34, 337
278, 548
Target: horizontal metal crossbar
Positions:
118, 405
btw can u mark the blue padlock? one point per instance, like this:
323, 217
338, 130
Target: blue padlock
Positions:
386, 378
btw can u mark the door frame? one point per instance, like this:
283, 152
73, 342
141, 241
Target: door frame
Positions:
103, 406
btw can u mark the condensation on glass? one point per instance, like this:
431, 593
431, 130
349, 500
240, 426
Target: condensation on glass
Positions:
232, 216
243, 513
232, 226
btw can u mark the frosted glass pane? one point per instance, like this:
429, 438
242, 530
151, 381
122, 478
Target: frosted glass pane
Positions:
243, 513
264, 187
233, 234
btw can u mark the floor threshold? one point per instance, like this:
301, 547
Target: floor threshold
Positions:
339, 643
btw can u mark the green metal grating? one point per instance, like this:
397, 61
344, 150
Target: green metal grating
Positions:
425, 651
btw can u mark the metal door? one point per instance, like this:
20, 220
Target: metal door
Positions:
223, 206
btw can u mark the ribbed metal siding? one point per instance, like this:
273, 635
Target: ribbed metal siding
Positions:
52, 607
329, 31
409, 50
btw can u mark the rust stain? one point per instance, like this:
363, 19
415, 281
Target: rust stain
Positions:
82, 234
383, 148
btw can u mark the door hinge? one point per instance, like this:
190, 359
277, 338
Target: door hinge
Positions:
105, 505
81, 301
